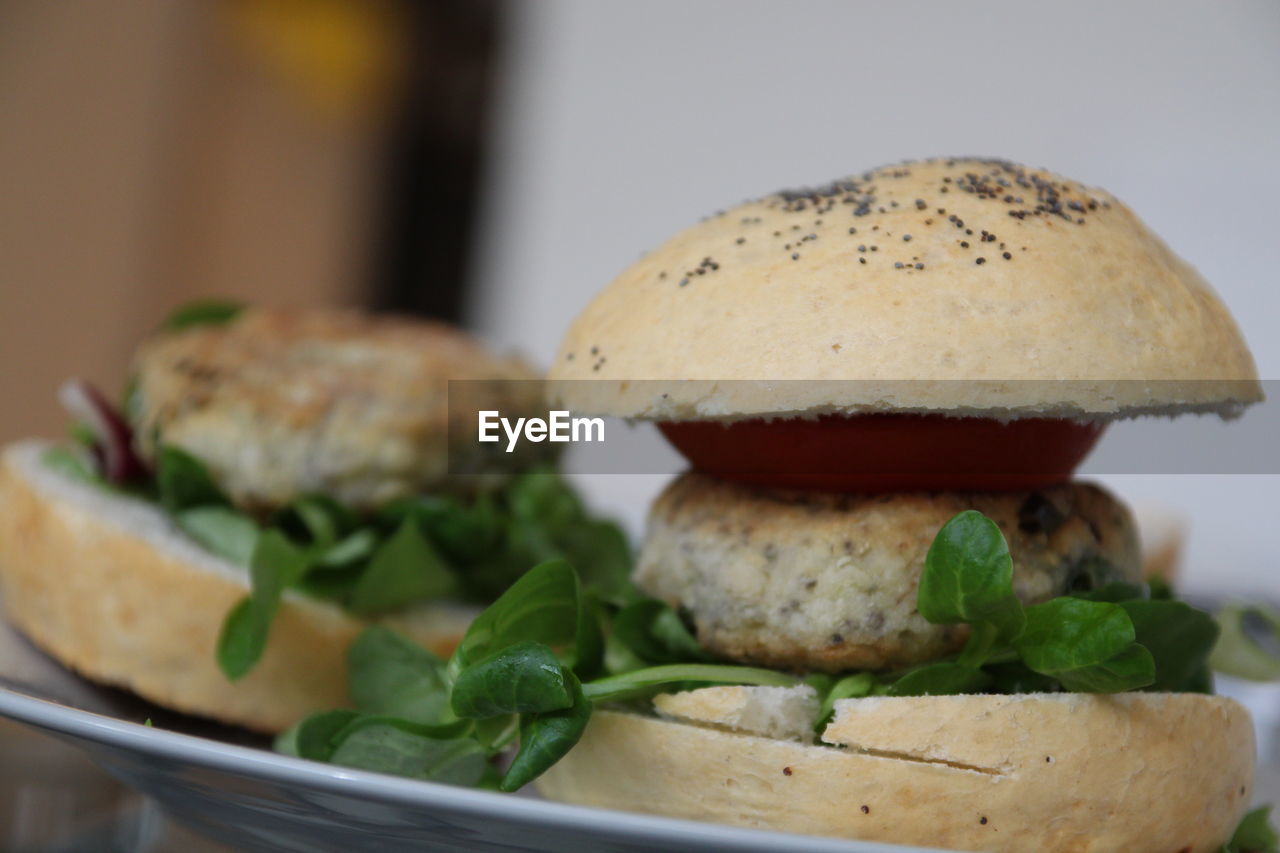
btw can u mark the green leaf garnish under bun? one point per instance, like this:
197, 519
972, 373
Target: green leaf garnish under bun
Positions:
205, 312
968, 576
1254, 834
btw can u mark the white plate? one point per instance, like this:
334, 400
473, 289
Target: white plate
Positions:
225, 784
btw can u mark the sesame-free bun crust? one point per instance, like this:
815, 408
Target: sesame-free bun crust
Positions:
108, 586
1057, 773
917, 310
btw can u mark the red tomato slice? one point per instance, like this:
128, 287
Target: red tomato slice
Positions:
887, 452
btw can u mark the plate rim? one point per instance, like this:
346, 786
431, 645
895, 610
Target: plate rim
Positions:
65, 720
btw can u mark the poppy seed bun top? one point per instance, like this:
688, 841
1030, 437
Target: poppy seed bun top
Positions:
906, 279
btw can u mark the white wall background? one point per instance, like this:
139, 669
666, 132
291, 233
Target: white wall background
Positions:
622, 122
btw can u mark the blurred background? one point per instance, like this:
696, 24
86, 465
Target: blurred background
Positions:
495, 163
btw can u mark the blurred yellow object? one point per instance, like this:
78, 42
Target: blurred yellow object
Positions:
341, 56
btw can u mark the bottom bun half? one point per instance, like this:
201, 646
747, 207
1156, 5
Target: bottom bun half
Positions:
107, 585
1142, 773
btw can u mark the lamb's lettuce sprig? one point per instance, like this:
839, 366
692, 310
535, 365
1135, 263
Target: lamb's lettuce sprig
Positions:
1254, 834
1109, 640
1116, 638
531, 669
418, 549
203, 312
1250, 644
421, 548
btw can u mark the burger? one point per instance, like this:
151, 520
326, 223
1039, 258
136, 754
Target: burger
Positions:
877, 606
882, 387
271, 482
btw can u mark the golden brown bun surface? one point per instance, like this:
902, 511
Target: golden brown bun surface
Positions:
1057, 773
279, 403
108, 586
901, 274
